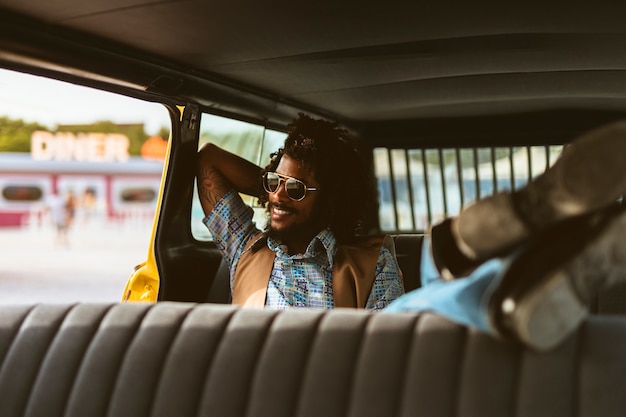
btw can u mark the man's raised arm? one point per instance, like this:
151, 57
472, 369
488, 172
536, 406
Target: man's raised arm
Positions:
219, 171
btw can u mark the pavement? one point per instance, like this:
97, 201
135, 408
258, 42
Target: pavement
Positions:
94, 267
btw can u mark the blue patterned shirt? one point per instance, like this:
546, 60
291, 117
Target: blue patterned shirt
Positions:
300, 280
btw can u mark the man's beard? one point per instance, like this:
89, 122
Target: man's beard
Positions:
296, 231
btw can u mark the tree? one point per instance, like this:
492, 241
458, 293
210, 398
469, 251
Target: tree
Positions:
15, 134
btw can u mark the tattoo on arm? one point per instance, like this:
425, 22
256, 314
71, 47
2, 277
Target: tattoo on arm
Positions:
212, 186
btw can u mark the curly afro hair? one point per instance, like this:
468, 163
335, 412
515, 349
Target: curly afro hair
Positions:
346, 188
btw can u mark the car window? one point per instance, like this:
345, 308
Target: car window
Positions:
252, 142
80, 171
419, 187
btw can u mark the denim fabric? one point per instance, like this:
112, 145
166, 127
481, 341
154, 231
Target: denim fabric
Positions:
463, 300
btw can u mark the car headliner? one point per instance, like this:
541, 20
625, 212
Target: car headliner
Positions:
450, 72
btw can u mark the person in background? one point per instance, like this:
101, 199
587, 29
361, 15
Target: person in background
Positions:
89, 204
62, 211
314, 251
525, 265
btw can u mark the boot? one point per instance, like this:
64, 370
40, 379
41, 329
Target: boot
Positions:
545, 292
589, 174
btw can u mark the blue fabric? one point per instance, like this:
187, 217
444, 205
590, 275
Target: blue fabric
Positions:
463, 300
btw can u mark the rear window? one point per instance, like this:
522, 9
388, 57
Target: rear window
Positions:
22, 193
138, 195
419, 187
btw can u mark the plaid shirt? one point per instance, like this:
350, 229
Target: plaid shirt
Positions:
300, 280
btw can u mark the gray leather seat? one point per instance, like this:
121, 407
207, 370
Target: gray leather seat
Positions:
175, 359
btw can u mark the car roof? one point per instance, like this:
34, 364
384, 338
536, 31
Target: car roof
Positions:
390, 70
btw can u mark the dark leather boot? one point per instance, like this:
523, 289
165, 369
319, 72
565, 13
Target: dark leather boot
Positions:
546, 290
589, 174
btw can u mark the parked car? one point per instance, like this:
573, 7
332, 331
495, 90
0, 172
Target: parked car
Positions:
451, 101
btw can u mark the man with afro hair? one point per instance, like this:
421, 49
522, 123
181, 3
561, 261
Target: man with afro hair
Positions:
315, 251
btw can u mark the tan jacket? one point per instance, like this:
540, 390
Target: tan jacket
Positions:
354, 272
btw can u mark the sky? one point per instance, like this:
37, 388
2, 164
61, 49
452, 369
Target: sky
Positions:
52, 102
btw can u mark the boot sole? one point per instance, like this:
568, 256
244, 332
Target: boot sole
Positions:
548, 313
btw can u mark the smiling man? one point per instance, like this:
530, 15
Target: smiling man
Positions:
313, 252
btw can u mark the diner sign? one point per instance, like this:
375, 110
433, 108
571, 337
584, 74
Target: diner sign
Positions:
65, 146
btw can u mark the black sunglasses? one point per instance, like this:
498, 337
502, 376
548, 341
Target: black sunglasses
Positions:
296, 189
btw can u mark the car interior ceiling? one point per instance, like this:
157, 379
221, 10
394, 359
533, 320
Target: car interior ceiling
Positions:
452, 74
